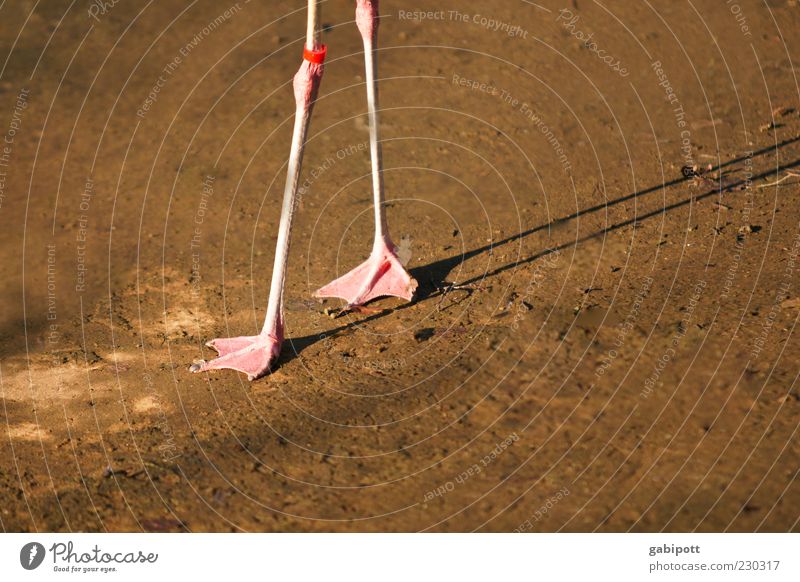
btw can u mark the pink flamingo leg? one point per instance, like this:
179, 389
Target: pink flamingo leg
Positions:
255, 355
381, 274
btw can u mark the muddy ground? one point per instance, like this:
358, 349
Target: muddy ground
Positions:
604, 336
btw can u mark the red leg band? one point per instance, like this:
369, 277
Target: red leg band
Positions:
315, 56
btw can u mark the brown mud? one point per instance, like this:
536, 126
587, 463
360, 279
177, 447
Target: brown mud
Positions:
603, 339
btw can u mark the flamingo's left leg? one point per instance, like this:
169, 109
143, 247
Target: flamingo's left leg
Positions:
381, 274
255, 355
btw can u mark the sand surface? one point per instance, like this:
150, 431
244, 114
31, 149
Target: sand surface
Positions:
602, 338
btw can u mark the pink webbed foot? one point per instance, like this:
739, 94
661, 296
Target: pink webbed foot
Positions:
381, 275
252, 355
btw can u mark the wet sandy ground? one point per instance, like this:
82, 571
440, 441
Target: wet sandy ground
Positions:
602, 340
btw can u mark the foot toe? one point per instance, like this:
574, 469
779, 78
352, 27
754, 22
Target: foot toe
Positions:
224, 346
381, 275
255, 357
